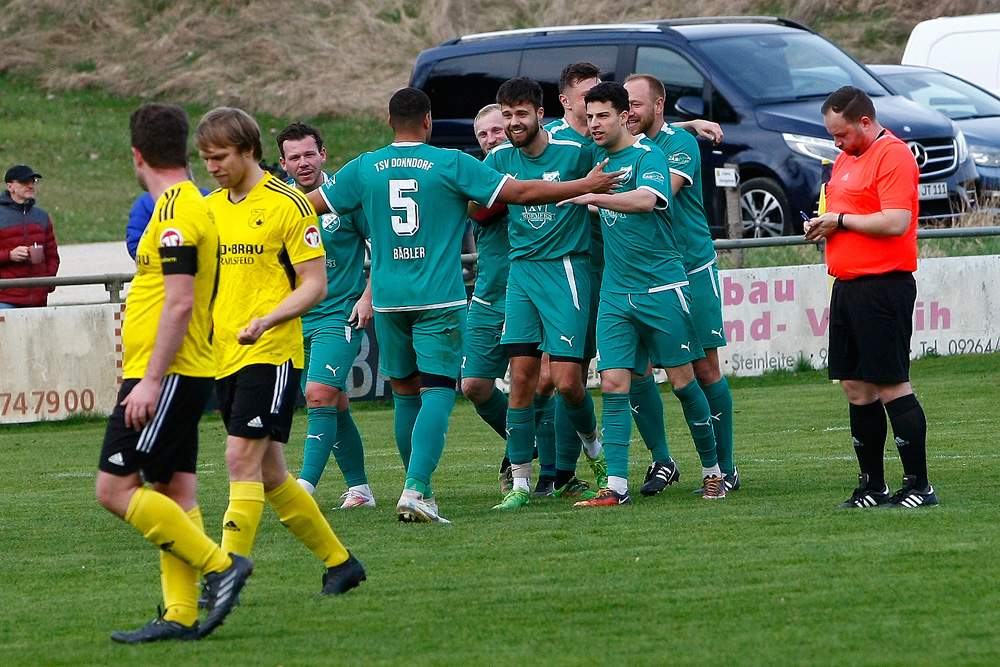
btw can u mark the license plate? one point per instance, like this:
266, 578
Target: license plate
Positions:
937, 190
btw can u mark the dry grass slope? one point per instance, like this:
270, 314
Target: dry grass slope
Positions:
309, 58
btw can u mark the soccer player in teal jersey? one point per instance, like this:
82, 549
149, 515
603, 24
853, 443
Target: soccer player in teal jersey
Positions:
416, 197
687, 213
485, 359
574, 82
644, 315
330, 330
548, 290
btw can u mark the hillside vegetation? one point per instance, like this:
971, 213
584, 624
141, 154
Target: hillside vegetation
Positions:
309, 58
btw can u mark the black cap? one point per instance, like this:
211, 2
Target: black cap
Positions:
20, 172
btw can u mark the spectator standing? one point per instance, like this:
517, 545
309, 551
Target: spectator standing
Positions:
27, 242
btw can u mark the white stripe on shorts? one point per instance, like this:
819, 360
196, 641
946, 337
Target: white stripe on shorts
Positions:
568, 265
151, 431
347, 332
280, 382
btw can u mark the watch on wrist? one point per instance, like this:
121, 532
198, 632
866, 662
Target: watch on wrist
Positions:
840, 223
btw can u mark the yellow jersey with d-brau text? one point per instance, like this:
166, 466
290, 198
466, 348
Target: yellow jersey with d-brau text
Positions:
181, 238
261, 238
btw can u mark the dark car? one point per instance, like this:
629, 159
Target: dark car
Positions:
975, 110
763, 79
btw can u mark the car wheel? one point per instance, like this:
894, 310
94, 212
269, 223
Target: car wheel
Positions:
764, 208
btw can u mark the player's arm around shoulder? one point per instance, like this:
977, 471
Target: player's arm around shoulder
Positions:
546, 192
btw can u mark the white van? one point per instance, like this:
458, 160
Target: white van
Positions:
966, 46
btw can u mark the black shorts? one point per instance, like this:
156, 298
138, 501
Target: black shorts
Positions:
871, 323
258, 400
169, 442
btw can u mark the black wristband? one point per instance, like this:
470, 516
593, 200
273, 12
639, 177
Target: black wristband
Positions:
840, 223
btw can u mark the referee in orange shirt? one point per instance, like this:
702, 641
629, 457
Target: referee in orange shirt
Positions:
871, 232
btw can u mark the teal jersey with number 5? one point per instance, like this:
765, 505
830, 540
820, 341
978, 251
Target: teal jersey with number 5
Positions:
416, 199
640, 251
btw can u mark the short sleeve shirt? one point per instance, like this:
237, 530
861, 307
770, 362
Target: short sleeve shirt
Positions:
261, 238
687, 209
344, 243
493, 264
883, 177
546, 231
181, 238
561, 129
416, 200
640, 252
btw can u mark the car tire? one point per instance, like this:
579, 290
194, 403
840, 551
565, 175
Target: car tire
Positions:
764, 209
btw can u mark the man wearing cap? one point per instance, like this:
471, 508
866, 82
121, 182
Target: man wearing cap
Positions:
27, 242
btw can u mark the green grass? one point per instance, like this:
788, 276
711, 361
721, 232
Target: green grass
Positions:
79, 142
773, 575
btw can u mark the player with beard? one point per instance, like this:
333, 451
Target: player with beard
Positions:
416, 199
330, 330
687, 216
548, 291
644, 316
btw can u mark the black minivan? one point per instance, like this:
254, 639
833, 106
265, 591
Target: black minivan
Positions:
762, 78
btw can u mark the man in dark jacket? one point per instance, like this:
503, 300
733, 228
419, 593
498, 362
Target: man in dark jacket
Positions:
27, 242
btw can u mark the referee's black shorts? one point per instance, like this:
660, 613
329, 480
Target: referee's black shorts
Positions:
871, 323
258, 400
169, 442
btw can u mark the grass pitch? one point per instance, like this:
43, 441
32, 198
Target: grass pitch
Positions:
773, 575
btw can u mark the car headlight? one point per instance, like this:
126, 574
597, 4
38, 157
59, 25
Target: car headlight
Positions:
963, 146
985, 156
814, 147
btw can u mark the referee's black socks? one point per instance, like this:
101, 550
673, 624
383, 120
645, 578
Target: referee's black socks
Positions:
868, 431
909, 425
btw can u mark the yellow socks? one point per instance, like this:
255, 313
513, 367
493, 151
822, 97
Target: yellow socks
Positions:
299, 512
165, 524
180, 582
239, 525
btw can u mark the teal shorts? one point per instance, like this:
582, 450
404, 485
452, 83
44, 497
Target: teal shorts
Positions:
330, 353
631, 325
485, 357
548, 302
706, 306
429, 341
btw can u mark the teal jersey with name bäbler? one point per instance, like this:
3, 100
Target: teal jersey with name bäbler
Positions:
640, 252
561, 129
687, 209
344, 243
546, 231
416, 200
493, 265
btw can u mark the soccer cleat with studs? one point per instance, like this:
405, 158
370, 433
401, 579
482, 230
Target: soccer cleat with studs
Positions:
714, 488
222, 591
606, 497
659, 476
909, 497
516, 498
574, 488
864, 496
414, 508
355, 497
158, 629
544, 488
342, 578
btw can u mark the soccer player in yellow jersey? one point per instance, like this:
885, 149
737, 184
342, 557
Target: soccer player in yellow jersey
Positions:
272, 270
152, 434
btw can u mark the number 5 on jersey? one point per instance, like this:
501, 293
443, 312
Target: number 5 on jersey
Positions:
399, 189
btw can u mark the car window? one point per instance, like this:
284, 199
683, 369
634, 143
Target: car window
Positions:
953, 97
546, 65
680, 78
783, 68
460, 87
